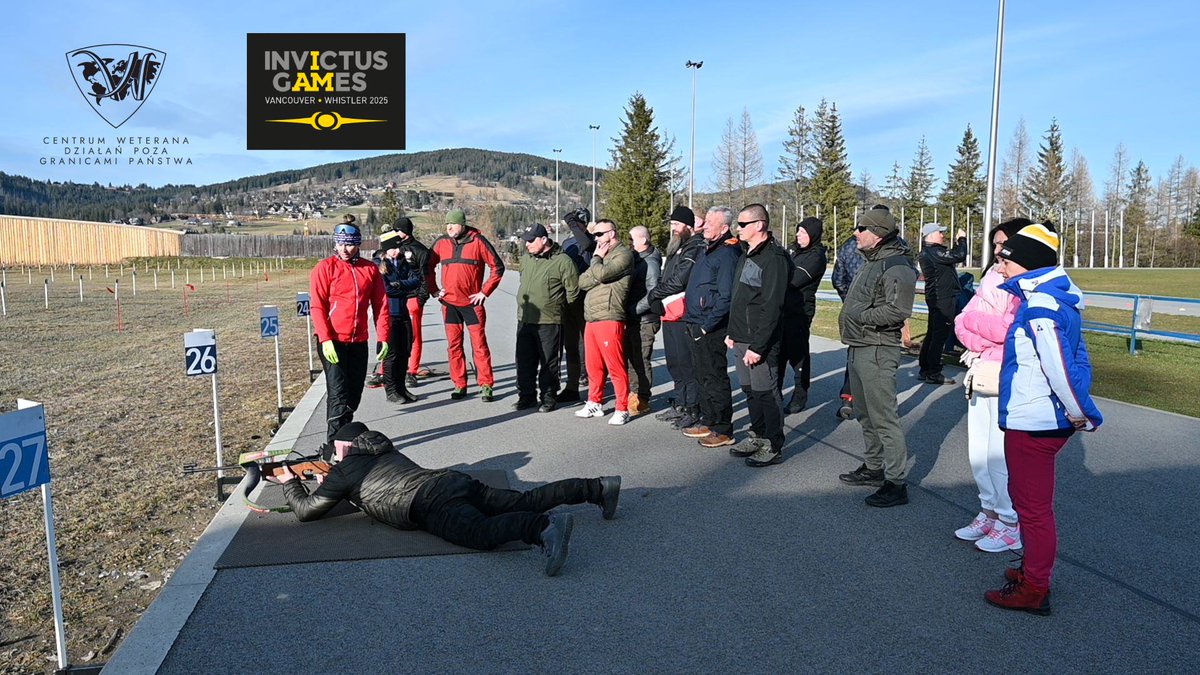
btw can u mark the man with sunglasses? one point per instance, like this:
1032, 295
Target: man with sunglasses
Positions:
873, 312
606, 283
341, 287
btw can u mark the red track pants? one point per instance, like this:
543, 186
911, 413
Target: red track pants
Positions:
474, 318
604, 351
1031, 485
416, 312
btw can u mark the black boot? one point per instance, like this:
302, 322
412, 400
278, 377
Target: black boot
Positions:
888, 495
799, 401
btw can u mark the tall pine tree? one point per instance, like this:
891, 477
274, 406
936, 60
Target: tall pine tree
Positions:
918, 188
1139, 194
796, 159
635, 184
1045, 189
831, 179
965, 189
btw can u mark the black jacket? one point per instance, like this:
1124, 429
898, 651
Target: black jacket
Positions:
810, 264
417, 255
710, 285
382, 486
756, 309
400, 279
941, 279
647, 270
580, 246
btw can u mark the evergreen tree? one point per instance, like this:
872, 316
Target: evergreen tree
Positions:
965, 189
831, 185
894, 188
372, 218
389, 210
1137, 210
1045, 188
796, 159
635, 185
918, 187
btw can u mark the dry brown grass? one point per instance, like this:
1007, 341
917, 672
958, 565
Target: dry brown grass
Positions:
122, 418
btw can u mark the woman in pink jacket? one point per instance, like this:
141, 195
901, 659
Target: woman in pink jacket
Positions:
981, 327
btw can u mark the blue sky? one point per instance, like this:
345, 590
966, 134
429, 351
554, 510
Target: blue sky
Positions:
527, 76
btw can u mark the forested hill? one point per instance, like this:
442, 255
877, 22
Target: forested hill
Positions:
28, 197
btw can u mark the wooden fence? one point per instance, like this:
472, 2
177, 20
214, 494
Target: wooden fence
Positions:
261, 246
52, 241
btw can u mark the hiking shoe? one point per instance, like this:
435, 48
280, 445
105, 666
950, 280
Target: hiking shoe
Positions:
673, 412
863, 476
1001, 538
618, 418
764, 457
410, 380
610, 492
524, 403
936, 378
888, 495
846, 410
375, 381
555, 539
747, 447
567, 396
689, 418
1014, 573
715, 440
696, 431
548, 405
977, 530
798, 402
485, 393
1022, 596
590, 410
459, 393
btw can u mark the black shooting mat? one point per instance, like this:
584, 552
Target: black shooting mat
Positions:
344, 533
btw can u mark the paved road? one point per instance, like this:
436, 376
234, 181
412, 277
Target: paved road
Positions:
715, 567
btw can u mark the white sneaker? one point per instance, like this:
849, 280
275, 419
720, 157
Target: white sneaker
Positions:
978, 529
1001, 538
618, 418
590, 410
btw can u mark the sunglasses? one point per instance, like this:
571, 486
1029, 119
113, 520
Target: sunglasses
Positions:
345, 229
748, 222
861, 228
601, 233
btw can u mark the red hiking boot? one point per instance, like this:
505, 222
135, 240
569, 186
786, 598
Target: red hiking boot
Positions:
1021, 595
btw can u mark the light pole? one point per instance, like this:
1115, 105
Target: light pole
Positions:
557, 153
594, 128
694, 66
986, 258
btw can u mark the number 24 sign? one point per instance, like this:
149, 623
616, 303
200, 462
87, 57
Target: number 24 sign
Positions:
24, 462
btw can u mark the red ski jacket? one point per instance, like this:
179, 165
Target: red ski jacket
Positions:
462, 262
340, 292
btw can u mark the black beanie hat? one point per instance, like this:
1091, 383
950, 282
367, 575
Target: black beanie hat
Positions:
373, 443
404, 224
814, 227
350, 431
684, 215
1010, 227
1033, 247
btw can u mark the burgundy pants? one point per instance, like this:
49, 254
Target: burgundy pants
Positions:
1031, 486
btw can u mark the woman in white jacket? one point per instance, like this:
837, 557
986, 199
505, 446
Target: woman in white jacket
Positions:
981, 327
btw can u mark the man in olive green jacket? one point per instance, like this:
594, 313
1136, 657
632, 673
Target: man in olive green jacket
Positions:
879, 300
606, 283
549, 282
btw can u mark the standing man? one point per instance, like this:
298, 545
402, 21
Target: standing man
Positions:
606, 283
641, 324
879, 300
549, 284
941, 296
687, 244
341, 287
809, 263
463, 252
579, 248
399, 279
762, 277
709, 292
417, 255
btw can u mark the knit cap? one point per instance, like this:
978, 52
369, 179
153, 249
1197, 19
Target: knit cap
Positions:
1033, 247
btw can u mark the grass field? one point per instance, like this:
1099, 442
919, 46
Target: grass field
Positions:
122, 418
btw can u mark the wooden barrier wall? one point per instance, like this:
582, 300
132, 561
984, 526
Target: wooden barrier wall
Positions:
262, 246
50, 241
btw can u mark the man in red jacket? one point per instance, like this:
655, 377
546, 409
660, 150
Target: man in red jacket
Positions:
341, 287
462, 253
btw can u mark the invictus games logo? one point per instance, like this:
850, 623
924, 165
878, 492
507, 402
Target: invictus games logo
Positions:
116, 79
336, 91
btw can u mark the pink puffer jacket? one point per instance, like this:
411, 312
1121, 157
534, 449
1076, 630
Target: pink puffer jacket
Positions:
983, 323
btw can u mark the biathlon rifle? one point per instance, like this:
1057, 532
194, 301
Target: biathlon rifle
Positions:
268, 463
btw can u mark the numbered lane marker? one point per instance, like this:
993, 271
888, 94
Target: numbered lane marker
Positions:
200, 352
268, 321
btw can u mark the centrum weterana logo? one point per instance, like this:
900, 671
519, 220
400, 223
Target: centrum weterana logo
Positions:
116, 79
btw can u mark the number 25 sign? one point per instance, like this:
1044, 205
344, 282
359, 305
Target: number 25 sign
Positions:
24, 462
200, 352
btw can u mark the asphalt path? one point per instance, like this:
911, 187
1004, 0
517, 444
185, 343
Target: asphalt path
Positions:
711, 566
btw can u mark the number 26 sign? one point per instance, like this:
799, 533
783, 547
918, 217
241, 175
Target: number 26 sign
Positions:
24, 462
200, 352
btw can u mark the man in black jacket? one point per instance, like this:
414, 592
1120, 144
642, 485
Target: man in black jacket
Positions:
809, 261
708, 296
391, 488
417, 255
941, 292
579, 247
755, 332
687, 242
641, 324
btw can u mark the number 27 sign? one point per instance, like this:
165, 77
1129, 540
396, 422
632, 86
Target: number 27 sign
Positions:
24, 462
